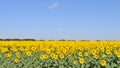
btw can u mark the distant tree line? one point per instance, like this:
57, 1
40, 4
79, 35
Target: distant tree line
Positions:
17, 40
50, 40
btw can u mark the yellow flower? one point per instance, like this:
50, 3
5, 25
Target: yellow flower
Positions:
4, 50
45, 56
118, 55
28, 53
34, 48
74, 61
17, 54
119, 49
81, 60
41, 57
61, 56
96, 56
115, 52
102, 49
64, 50
54, 56
67, 48
108, 52
16, 60
69, 55
86, 53
103, 56
14, 49
27, 49
41, 49
8, 55
51, 55
80, 53
93, 52
21, 49
97, 49
58, 51
103, 62
81, 48
111, 55
48, 51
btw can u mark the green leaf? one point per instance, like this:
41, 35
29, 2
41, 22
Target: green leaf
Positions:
61, 66
114, 65
87, 66
82, 66
118, 62
95, 67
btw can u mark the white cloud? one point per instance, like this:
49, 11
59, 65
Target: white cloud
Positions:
54, 5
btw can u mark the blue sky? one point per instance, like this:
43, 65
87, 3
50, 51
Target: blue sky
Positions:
60, 19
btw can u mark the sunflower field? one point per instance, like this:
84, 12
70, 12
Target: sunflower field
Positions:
59, 54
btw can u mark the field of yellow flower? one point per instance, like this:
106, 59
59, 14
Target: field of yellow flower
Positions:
59, 54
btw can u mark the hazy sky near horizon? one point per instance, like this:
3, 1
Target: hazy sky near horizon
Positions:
60, 19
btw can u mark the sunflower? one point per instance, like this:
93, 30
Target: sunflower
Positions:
103, 62
86, 53
61, 56
96, 56
80, 53
118, 55
93, 52
74, 62
17, 54
4, 50
41, 57
51, 55
28, 53
27, 49
81, 60
108, 52
14, 49
55, 56
80, 48
58, 51
45, 56
16, 60
21, 49
8, 55
69, 55
102, 49
103, 56
48, 51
